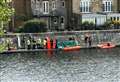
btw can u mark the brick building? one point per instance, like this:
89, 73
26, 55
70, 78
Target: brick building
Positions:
96, 11
61, 14
54, 12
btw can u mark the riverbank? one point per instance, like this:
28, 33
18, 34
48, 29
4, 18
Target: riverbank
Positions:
19, 40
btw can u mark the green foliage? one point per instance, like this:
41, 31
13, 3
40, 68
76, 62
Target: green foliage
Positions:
33, 26
6, 11
88, 25
107, 25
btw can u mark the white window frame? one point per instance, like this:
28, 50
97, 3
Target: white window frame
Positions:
107, 5
45, 7
35, 6
85, 6
53, 5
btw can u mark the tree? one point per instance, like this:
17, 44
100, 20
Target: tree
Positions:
6, 11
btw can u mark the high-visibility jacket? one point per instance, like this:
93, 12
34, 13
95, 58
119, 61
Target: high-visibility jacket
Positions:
44, 42
28, 42
39, 41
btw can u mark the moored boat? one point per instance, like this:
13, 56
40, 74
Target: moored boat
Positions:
71, 48
106, 45
68, 45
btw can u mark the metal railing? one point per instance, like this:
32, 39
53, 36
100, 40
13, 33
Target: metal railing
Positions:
18, 40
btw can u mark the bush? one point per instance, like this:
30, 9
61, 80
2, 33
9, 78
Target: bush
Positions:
88, 25
33, 26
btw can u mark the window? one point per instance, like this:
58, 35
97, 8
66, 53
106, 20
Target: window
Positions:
53, 5
35, 6
55, 20
45, 7
107, 5
111, 18
117, 18
62, 20
85, 6
114, 18
62, 3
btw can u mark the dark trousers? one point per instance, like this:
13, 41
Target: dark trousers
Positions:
28, 46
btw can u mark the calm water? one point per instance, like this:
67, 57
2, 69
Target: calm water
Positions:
90, 65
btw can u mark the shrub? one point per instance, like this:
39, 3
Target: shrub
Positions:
33, 26
88, 25
107, 25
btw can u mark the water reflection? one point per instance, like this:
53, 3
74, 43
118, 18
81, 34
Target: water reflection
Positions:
90, 65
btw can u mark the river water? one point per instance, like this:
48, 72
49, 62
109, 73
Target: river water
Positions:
86, 65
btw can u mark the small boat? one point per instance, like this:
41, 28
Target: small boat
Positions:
68, 45
106, 45
71, 48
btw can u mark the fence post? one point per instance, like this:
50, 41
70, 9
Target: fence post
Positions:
19, 41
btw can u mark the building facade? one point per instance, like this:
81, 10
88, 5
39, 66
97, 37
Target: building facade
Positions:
55, 13
22, 11
96, 11
65, 14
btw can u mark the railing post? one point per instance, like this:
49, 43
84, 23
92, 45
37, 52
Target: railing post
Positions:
98, 37
19, 41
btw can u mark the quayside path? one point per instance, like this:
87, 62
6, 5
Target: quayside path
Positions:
18, 41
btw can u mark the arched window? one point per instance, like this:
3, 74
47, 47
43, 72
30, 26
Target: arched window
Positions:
62, 20
55, 20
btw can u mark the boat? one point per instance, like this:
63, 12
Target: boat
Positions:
71, 48
106, 45
68, 45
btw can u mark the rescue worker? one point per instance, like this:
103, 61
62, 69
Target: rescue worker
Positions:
51, 41
33, 44
45, 43
39, 43
28, 44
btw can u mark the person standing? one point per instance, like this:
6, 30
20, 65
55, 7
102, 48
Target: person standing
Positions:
33, 44
89, 41
45, 43
28, 44
39, 43
86, 39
